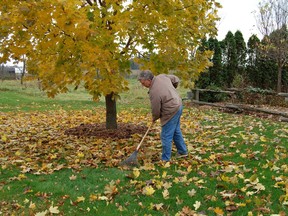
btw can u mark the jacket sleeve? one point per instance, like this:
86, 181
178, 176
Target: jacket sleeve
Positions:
174, 79
155, 106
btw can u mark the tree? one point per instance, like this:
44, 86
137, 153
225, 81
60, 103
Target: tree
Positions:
253, 58
213, 76
229, 58
241, 52
272, 22
76, 41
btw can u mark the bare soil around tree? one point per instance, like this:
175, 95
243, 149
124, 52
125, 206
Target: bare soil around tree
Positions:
123, 131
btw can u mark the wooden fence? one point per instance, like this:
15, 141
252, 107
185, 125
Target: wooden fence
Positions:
195, 96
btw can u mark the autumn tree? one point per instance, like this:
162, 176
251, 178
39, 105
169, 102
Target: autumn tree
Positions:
74, 42
272, 22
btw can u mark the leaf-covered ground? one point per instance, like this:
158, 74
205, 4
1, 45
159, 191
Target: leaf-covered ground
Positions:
41, 142
237, 161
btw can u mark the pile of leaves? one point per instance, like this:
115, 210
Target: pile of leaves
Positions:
124, 130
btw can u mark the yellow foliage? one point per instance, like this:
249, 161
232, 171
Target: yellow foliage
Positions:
67, 42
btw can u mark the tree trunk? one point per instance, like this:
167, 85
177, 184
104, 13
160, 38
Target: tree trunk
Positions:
23, 72
111, 112
279, 79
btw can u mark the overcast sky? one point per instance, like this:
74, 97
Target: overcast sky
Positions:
238, 15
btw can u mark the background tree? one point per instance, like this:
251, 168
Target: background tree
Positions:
70, 42
229, 59
253, 54
213, 76
272, 22
241, 53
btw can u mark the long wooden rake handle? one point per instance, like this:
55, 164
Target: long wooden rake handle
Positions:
144, 137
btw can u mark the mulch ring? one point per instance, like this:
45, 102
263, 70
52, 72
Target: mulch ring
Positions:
98, 130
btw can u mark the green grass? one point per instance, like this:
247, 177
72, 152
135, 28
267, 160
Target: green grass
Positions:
237, 165
28, 97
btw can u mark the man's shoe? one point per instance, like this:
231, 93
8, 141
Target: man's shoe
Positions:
181, 155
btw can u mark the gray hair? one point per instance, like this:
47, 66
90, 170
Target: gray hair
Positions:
145, 75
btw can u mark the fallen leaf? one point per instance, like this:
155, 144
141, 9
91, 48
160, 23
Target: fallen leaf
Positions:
73, 177
165, 194
218, 211
192, 192
136, 172
54, 210
32, 205
41, 213
148, 190
197, 205
80, 199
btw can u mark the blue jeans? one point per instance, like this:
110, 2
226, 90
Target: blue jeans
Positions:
171, 131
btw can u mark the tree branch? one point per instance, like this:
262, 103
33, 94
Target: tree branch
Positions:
183, 8
129, 42
89, 2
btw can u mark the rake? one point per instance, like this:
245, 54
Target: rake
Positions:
132, 160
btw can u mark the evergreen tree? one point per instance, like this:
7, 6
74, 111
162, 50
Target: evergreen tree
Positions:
253, 59
261, 69
213, 76
229, 59
241, 52
215, 71
204, 78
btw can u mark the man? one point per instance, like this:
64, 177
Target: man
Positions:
166, 105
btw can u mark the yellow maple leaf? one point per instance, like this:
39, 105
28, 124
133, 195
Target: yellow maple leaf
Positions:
80, 155
167, 165
18, 153
111, 189
54, 210
4, 138
80, 199
73, 177
263, 139
32, 205
158, 206
148, 190
103, 198
192, 192
136, 172
197, 205
41, 213
22, 176
167, 185
93, 197
165, 194
212, 157
218, 211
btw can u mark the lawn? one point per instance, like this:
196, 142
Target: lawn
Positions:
237, 165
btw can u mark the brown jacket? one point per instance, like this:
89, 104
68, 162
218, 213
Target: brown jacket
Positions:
165, 100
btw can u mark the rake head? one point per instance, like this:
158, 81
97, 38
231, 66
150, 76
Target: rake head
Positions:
131, 161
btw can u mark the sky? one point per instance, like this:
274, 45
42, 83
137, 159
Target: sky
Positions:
238, 15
